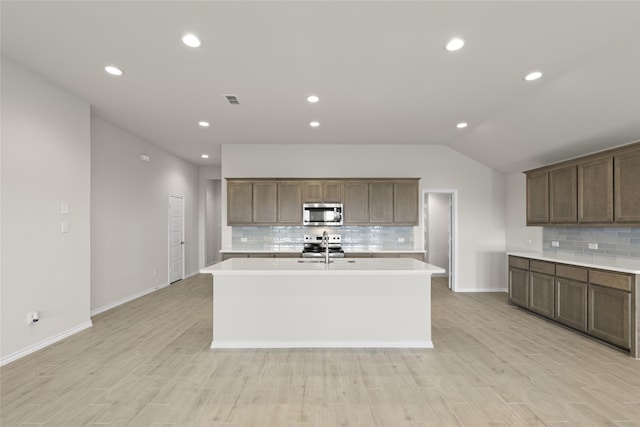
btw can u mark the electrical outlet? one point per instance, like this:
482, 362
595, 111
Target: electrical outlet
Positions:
244, 239
555, 244
400, 239
33, 317
593, 246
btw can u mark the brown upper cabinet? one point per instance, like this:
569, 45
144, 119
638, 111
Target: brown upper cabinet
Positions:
595, 190
563, 195
600, 189
327, 191
265, 208
393, 201
538, 198
239, 202
290, 202
627, 186
356, 203
381, 202
406, 197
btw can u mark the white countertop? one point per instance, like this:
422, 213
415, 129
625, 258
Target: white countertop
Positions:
287, 266
347, 251
623, 265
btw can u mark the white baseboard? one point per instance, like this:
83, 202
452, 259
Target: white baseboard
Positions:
483, 290
42, 344
127, 299
320, 344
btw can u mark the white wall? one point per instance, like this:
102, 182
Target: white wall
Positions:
481, 205
45, 161
129, 223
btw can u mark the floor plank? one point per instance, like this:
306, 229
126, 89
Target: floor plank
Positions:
493, 365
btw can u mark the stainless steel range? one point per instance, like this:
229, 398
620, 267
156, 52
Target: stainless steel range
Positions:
315, 246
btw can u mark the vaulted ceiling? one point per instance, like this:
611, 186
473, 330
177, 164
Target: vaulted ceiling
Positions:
380, 69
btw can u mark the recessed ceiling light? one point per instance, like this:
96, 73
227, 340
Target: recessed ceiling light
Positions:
455, 44
313, 98
205, 156
191, 40
535, 75
115, 71
204, 124
314, 124
462, 125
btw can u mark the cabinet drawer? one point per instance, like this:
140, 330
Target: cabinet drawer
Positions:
543, 267
611, 280
518, 262
570, 272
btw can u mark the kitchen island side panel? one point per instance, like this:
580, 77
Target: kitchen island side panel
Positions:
303, 311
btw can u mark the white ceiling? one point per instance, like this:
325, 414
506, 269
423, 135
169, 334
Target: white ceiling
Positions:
379, 68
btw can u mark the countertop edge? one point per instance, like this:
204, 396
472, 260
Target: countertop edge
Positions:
290, 266
364, 251
569, 259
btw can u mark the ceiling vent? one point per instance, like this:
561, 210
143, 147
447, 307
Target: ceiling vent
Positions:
233, 100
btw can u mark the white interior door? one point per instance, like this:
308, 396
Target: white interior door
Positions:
176, 238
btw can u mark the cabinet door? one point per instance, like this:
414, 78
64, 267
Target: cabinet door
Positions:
542, 294
265, 196
381, 202
405, 203
563, 195
538, 198
332, 191
290, 203
323, 191
595, 191
356, 203
609, 315
627, 186
239, 202
519, 287
571, 303
313, 191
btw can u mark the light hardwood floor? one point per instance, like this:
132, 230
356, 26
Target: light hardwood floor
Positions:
148, 362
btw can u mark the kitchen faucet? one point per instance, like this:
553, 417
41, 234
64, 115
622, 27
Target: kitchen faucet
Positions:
325, 240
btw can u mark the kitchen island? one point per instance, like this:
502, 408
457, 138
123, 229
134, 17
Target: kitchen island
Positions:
289, 303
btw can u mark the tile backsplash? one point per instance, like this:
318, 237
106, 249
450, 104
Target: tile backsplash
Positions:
612, 241
290, 238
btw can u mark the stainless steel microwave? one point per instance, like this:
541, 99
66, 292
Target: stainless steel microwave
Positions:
322, 214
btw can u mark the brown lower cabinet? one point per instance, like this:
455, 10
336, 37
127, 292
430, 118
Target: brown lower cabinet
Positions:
610, 307
542, 287
602, 303
571, 303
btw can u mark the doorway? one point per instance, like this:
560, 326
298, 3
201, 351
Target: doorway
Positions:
213, 221
176, 238
439, 231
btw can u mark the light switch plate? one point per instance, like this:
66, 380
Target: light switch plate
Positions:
65, 226
64, 208
593, 246
555, 244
